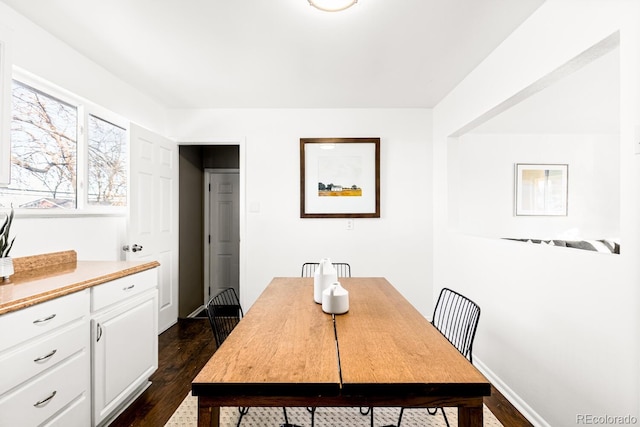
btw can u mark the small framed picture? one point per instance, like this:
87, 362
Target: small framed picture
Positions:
541, 189
340, 178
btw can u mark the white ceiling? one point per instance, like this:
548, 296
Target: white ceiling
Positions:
284, 53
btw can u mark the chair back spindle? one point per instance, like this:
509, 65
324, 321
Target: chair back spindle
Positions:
456, 317
342, 268
224, 312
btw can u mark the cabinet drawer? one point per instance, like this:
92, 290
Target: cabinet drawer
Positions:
50, 393
120, 289
22, 325
77, 414
24, 362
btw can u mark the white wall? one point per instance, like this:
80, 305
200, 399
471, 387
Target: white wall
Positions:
37, 52
486, 193
277, 241
546, 335
558, 330
93, 238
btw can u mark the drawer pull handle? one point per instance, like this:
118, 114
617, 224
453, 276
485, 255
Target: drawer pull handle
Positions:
44, 319
98, 332
45, 400
128, 288
41, 358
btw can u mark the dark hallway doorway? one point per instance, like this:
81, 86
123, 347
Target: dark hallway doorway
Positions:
193, 161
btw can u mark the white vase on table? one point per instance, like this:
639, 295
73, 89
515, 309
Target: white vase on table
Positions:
335, 299
323, 277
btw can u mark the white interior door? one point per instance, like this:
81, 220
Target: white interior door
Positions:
224, 231
153, 215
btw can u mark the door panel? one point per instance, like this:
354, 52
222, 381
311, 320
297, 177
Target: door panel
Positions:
153, 219
224, 227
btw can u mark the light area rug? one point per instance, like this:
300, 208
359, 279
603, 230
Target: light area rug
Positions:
187, 416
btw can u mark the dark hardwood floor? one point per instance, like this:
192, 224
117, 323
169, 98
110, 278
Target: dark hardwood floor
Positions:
185, 348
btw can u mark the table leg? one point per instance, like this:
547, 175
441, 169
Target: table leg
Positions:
208, 416
470, 416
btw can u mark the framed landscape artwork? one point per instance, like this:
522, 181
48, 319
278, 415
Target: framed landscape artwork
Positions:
541, 189
340, 178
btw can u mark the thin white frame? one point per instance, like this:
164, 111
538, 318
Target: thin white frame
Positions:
6, 67
551, 196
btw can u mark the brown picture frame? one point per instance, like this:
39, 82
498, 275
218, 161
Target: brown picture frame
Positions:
339, 177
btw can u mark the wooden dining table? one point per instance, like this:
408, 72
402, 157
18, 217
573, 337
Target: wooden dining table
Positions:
286, 352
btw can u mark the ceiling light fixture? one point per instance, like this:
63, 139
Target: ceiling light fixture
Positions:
332, 5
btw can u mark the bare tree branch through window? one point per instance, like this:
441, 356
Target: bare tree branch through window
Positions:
44, 155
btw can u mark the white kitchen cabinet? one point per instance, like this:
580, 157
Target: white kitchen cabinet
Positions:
80, 358
45, 363
124, 341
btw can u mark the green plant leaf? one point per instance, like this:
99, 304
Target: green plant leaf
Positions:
5, 246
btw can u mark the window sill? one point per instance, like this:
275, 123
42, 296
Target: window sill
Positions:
68, 213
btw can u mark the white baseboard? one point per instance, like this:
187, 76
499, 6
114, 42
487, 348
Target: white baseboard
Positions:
196, 311
526, 410
167, 326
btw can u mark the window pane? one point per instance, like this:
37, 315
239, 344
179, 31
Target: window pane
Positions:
43, 151
107, 163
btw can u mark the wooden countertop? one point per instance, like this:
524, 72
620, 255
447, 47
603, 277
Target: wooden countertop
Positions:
44, 277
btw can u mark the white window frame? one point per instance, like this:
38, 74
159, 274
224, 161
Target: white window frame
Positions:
84, 109
5, 104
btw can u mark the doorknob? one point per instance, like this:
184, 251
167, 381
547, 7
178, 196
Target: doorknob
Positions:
134, 248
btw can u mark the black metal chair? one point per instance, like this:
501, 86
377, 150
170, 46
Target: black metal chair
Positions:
456, 317
225, 312
342, 268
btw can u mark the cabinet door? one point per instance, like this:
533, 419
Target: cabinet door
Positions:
125, 349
